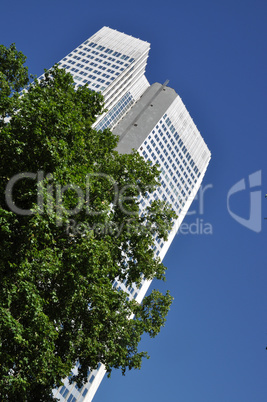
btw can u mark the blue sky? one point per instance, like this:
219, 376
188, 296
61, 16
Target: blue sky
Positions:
214, 54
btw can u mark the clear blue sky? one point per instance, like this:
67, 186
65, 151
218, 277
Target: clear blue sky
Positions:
214, 54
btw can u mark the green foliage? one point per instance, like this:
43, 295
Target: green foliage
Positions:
13, 77
60, 260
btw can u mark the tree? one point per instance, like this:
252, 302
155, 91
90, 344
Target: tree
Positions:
13, 76
70, 227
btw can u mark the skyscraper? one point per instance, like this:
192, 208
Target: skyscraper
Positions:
149, 118
113, 63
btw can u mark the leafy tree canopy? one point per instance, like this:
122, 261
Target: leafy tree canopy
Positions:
70, 227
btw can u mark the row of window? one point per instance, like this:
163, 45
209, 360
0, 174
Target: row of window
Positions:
176, 148
91, 77
184, 149
87, 68
64, 391
172, 186
130, 290
176, 166
106, 50
97, 63
113, 116
102, 55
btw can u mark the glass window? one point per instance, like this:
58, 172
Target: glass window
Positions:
85, 391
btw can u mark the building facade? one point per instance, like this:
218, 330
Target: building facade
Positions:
114, 64
149, 118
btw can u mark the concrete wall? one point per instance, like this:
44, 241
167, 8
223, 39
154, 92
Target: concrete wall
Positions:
143, 116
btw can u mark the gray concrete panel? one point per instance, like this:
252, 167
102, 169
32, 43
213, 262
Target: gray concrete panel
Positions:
143, 117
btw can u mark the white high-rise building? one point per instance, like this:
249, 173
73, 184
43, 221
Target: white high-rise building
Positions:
114, 64
149, 118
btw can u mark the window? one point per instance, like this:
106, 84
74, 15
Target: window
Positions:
92, 376
64, 391
85, 391
71, 398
